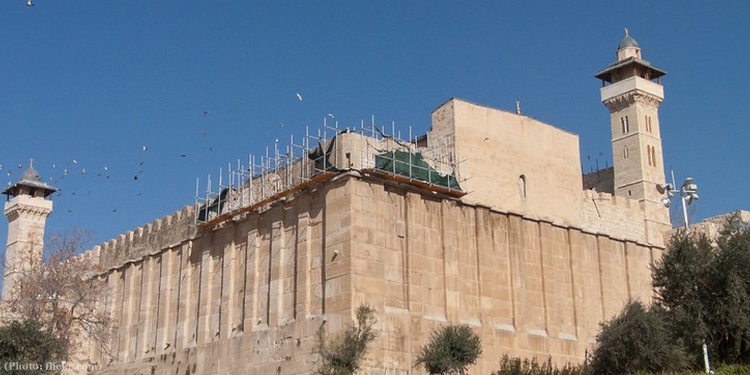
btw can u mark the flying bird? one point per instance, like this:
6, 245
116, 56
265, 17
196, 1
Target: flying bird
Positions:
205, 113
299, 97
145, 148
29, 3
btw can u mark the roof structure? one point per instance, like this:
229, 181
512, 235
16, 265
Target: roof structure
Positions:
29, 178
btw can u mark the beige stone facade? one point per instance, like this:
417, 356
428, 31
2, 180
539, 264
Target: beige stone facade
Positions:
522, 253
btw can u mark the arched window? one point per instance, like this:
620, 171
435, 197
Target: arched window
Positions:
653, 155
648, 154
522, 186
625, 152
627, 125
622, 124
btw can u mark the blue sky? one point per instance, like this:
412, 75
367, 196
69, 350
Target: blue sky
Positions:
95, 81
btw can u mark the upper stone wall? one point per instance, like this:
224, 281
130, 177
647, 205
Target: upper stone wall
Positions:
495, 150
614, 216
151, 238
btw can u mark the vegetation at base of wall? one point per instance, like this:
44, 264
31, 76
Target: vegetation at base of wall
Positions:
637, 340
343, 355
451, 350
518, 366
702, 288
27, 347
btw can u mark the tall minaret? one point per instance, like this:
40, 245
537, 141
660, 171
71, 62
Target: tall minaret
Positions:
26, 208
632, 91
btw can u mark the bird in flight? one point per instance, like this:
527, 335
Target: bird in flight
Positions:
299, 97
29, 3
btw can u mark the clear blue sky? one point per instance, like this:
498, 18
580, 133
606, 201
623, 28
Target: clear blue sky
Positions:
95, 81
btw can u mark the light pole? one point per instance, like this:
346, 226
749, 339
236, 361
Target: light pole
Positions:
688, 194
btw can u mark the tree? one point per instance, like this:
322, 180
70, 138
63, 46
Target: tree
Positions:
451, 350
679, 280
64, 294
703, 286
26, 347
343, 355
728, 282
637, 340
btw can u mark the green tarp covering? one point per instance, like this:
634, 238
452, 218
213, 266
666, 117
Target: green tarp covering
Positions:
413, 166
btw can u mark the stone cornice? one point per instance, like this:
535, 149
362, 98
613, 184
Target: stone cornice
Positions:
620, 102
30, 212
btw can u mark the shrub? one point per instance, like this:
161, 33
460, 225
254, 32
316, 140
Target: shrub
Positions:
451, 350
343, 355
637, 340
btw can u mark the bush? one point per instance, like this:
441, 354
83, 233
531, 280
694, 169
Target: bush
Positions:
517, 366
29, 343
451, 350
344, 354
637, 340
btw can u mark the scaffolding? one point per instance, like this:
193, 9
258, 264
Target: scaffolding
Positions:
422, 162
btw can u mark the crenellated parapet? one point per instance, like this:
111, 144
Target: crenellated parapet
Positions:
151, 238
614, 215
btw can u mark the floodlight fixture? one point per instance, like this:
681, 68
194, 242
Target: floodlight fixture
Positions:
666, 202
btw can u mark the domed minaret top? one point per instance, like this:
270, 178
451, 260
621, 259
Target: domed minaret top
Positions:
29, 184
628, 47
629, 63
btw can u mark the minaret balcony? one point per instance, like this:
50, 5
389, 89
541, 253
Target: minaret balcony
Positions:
632, 84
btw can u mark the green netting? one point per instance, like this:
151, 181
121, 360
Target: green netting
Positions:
413, 166
213, 208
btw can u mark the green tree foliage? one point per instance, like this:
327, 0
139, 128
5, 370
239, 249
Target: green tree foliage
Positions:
728, 281
26, 347
679, 280
637, 340
343, 355
704, 288
518, 366
451, 350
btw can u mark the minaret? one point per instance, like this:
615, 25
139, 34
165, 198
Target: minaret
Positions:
632, 91
26, 208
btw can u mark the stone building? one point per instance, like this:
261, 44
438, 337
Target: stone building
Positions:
486, 220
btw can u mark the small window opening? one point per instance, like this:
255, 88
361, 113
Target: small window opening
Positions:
627, 125
522, 186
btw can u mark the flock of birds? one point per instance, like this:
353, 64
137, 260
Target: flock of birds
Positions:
73, 168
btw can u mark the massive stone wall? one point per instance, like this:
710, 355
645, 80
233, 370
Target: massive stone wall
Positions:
528, 286
246, 297
249, 295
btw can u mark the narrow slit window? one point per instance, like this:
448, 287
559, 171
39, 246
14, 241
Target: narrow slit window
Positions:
522, 186
627, 125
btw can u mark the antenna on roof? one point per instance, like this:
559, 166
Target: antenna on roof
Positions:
518, 107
